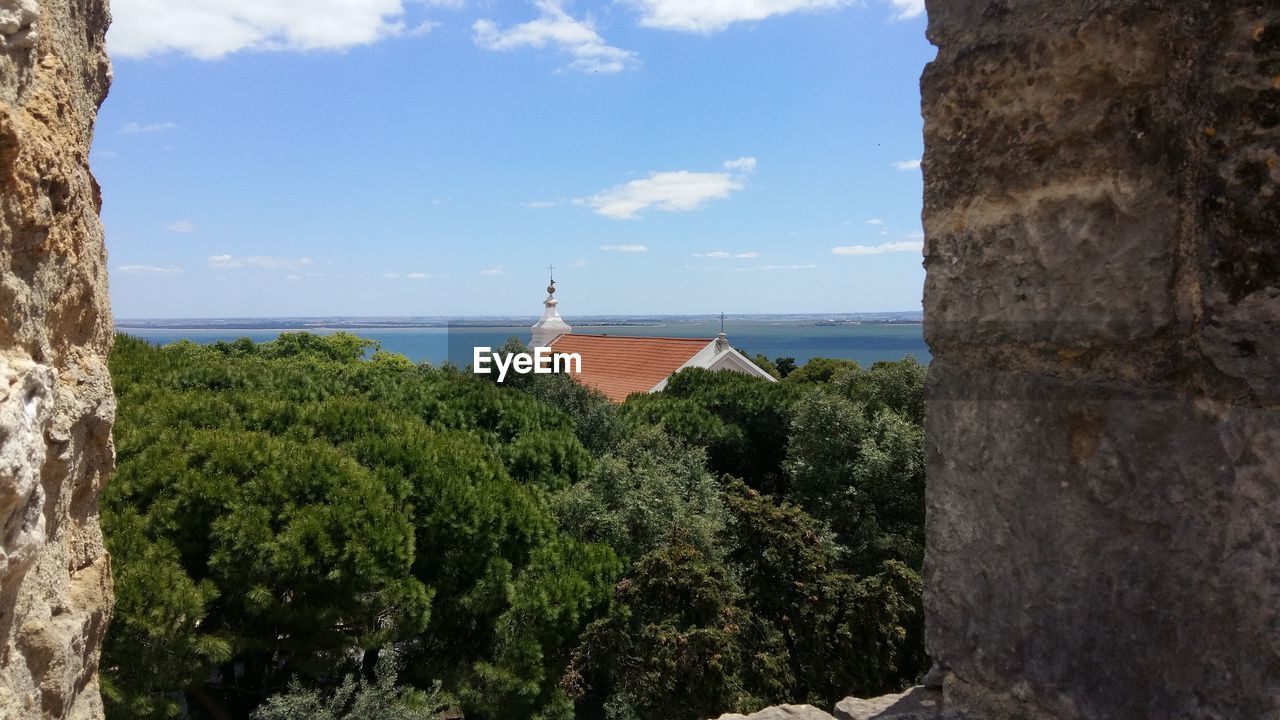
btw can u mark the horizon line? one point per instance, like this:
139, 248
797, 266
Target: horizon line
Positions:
711, 315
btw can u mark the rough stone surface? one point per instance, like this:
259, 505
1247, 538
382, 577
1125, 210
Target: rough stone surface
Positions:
918, 703
56, 405
782, 712
1103, 306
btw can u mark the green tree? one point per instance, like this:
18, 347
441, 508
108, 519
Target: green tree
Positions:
859, 465
357, 698
822, 370
302, 500
295, 551
670, 650
652, 491
807, 611
785, 365
763, 362
594, 416
896, 386
157, 625
741, 421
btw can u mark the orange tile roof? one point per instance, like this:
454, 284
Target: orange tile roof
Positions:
618, 365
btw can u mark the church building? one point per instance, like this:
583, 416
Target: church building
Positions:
619, 365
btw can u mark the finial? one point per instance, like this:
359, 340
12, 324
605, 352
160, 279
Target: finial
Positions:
551, 286
722, 340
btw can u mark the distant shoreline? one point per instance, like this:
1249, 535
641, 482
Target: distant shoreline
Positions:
333, 324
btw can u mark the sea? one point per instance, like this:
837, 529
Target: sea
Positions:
866, 338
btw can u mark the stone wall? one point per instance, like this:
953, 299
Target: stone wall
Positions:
1103, 306
56, 405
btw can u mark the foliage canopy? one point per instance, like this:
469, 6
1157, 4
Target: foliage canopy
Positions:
289, 516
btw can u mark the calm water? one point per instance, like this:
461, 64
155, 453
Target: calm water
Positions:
866, 343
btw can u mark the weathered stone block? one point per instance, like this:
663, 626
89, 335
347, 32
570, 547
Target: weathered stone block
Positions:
1102, 302
918, 703
1083, 541
56, 405
782, 712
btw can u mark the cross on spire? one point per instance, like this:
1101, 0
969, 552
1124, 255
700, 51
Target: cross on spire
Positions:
551, 270
722, 322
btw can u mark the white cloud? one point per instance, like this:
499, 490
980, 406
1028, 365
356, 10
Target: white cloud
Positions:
556, 28
579, 263
890, 247
540, 204
150, 269
259, 262
416, 276
875, 221
907, 9
770, 268
181, 226
674, 191
908, 164
423, 28
134, 128
209, 29
625, 248
715, 15
494, 271
391, 275
717, 254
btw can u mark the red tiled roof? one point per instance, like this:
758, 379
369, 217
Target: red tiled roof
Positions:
618, 365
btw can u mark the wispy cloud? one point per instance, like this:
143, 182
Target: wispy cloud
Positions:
181, 226
494, 271
540, 204
134, 128
908, 164
674, 191
258, 262
890, 247
423, 28
625, 248
875, 221
708, 17
556, 28
907, 9
718, 254
408, 276
149, 269
770, 268
580, 263
209, 29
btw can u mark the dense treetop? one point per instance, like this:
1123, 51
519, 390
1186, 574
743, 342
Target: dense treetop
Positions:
328, 526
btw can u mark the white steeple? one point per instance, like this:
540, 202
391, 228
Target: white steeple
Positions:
550, 326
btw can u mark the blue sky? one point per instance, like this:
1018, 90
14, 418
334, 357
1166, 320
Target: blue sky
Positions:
432, 157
